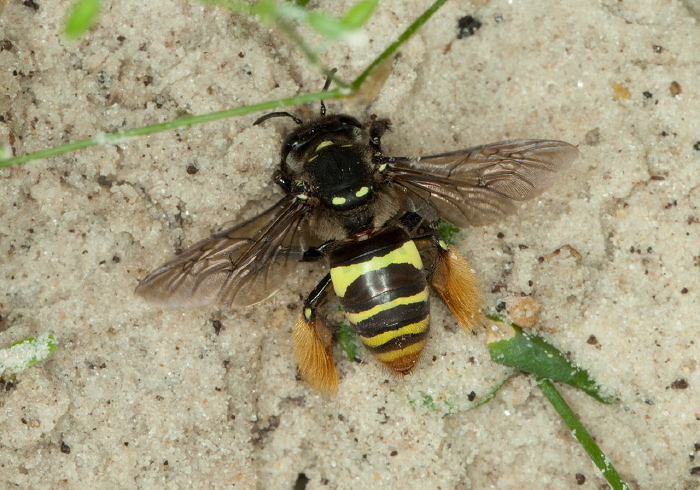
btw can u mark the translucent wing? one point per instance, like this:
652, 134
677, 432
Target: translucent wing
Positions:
239, 266
482, 184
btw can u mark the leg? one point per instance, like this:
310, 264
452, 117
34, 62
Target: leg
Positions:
313, 348
326, 86
454, 281
376, 131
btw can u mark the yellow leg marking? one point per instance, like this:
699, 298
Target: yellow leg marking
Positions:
384, 337
406, 300
314, 353
343, 276
387, 357
456, 284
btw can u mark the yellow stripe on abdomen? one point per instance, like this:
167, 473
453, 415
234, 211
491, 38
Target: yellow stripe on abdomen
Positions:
406, 300
343, 276
411, 353
383, 338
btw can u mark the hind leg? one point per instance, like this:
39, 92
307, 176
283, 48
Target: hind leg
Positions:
312, 340
456, 284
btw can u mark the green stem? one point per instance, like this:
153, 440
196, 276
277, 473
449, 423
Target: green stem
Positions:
183, 122
581, 434
344, 91
395, 45
237, 7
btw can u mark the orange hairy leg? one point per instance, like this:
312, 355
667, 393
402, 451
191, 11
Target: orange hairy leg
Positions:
313, 343
313, 350
458, 287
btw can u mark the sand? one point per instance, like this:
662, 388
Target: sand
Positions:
137, 396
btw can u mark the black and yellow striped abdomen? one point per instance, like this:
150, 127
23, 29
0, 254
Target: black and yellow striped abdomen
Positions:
382, 287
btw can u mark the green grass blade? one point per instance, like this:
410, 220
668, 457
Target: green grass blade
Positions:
182, 122
348, 341
456, 402
359, 14
393, 47
345, 91
582, 435
25, 353
81, 18
264, 8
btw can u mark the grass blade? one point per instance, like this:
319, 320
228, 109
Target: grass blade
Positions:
581, 434
81, 18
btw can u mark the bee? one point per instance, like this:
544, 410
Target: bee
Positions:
374, 219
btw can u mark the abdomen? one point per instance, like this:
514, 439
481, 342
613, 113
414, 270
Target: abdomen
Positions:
382, 287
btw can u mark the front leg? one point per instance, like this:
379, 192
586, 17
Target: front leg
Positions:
376, 131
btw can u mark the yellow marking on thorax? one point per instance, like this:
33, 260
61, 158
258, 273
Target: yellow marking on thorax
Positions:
384, 337
398, 354
343, 276
323, 144
406, 300
338, 201
362, 192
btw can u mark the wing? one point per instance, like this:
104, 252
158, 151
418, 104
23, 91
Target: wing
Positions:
482, 184
239, 266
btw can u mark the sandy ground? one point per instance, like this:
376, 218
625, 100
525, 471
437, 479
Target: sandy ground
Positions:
139, 397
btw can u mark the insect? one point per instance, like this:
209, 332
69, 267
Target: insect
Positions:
375, 220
